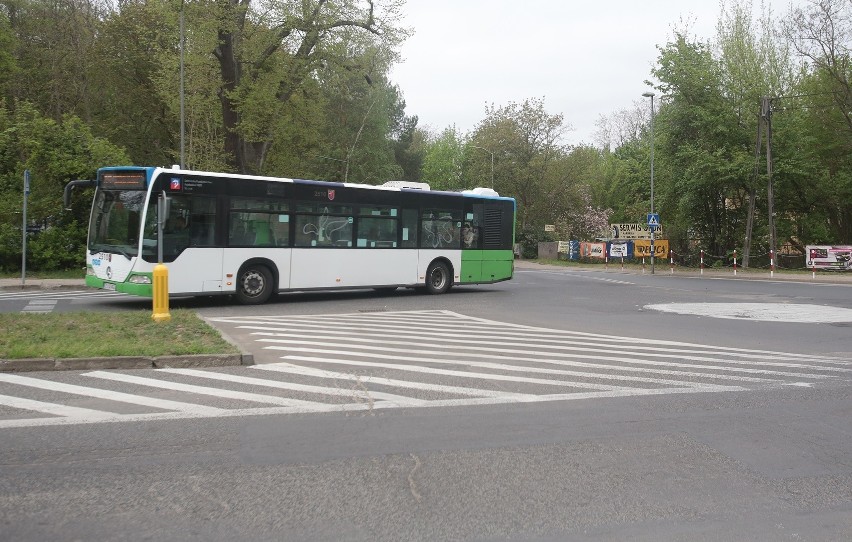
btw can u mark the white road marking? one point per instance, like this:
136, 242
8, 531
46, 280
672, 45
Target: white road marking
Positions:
356, 393
452, 357
98, 393
200, 390
40, 305
58, 294
442, 372
766, 312
416, 344
53, 408
319, 373
577, 341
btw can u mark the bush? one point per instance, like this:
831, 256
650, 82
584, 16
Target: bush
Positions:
58, 248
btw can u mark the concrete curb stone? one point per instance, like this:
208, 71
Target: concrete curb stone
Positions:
124, 363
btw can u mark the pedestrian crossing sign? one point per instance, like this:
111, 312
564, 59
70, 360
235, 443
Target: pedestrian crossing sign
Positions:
653, 220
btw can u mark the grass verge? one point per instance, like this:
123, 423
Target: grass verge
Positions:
107, 334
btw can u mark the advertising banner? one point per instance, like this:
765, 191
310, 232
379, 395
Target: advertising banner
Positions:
593, 250
642, 248
571, 249
835, 258
633, 231
619, 249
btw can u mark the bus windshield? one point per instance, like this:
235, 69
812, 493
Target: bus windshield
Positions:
115, 222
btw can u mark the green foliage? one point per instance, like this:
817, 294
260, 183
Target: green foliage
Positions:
529, 239
54, 153
442, 161
302, 89
58, 248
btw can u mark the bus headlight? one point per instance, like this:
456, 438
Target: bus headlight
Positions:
139, 279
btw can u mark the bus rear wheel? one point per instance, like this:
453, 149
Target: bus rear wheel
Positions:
438, 279
254, 285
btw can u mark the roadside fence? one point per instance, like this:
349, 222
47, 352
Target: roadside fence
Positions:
698, 261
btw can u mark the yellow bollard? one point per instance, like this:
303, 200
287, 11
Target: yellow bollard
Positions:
161, 294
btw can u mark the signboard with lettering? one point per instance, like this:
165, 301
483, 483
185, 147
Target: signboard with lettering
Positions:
837, 258
642, 248
633, 231
619, 249
593, 250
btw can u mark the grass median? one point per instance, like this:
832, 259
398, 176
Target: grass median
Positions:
107, 334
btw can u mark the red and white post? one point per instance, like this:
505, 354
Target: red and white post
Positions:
702, 262
771, 263
735, 262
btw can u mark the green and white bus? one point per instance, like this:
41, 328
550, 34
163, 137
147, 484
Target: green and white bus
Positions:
253, 236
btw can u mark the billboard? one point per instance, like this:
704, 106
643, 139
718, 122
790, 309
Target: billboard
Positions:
642, 248
633, 231
619, 249
593, 250
835, 258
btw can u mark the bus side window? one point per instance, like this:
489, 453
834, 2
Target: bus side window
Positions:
409, 228
238, 234
280, 226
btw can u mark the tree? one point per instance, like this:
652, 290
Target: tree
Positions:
443, 159
409, 147
265, 57
55, 153
525, 140
708, 152
822, 34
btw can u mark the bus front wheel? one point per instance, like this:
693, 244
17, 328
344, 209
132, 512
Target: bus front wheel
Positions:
438, 278
254, 285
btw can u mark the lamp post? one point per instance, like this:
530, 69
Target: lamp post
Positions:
651, 95
492, 162
182, 121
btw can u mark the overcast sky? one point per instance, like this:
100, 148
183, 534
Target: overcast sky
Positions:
584, 58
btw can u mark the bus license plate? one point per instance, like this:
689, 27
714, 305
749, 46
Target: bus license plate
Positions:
109, 286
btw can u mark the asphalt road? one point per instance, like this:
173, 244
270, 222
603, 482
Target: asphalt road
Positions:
557, 406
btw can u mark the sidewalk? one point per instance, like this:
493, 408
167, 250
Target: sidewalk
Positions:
41, 284
822, 277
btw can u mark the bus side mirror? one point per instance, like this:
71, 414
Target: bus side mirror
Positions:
66, 195
164, 205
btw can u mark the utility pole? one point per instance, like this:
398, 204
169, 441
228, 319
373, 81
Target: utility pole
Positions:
766, 113
764, 121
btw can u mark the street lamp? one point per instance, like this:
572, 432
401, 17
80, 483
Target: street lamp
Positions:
492, 162
182, 121
651, 95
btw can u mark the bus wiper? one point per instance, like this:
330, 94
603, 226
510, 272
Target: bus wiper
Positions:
94, 249
122, 252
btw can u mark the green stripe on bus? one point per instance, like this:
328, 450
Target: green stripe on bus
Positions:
144, 290
486, 265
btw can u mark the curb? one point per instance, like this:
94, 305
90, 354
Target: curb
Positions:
684, 272
125, 363
39, 287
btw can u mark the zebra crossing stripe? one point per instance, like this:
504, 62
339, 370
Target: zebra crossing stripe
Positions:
40, 306
319, 373
442, 372
502, 331
200, 390
53, 408
108, 395
356, 350
581, 364
356, 393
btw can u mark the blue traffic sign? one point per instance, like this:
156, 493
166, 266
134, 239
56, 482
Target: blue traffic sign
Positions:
653, 219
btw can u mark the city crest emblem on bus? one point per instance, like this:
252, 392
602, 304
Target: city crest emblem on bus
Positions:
330, 195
